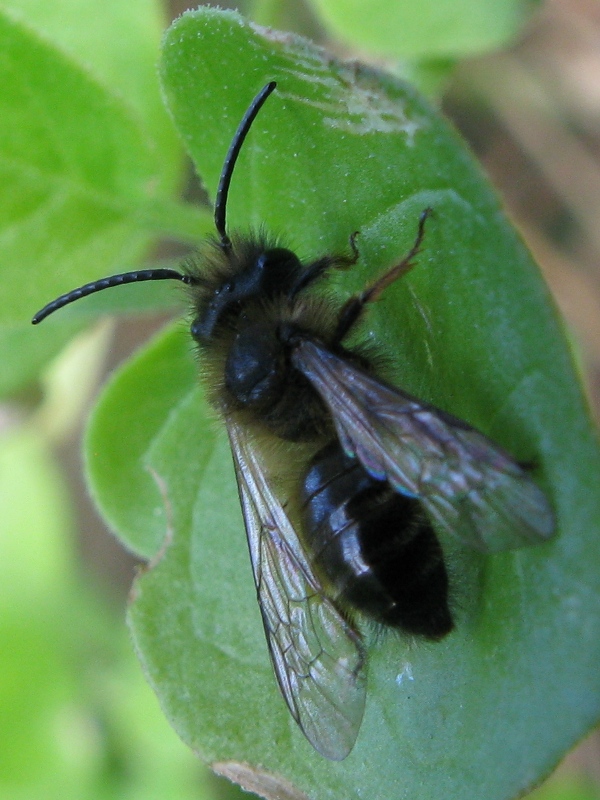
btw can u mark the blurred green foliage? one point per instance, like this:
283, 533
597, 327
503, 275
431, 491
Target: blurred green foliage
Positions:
77, 719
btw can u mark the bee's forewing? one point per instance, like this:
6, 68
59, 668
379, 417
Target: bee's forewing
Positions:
470, 487
318, 656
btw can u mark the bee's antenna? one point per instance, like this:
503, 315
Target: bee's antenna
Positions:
231, 158
220, 212
157, 274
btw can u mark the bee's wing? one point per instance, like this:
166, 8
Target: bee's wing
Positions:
469, 486
318, 656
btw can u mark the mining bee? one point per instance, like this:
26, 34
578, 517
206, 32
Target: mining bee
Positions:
384, 473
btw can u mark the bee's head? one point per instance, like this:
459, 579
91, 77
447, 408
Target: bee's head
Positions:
253, 271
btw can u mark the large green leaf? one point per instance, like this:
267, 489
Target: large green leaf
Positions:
338, 148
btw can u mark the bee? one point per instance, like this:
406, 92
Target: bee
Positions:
386, 473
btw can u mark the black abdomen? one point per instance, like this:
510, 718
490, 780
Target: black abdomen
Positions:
373, 547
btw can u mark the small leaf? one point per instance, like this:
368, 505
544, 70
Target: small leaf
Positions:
122, 429
340, 148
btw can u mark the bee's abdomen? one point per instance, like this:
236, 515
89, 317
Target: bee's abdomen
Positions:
374, 548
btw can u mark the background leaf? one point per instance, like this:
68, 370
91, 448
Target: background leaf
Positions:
423, 30
117, 43
341, 148
75, 204
91, 186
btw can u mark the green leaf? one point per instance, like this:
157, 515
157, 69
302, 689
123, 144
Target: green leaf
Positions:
68, 194
122, 482
86, 166
340, 148
423, 30
118, 43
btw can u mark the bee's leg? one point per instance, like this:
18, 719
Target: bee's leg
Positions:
321, 265
353, 308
